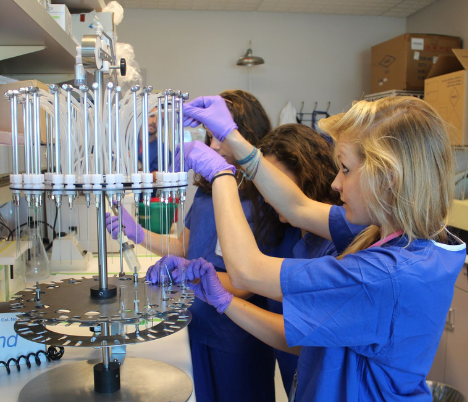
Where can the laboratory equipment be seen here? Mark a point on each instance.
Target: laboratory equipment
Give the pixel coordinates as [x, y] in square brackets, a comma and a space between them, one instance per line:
[93, 151]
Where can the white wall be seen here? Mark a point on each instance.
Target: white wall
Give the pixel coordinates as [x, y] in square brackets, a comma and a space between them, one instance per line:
[444, 17]
[307, 57]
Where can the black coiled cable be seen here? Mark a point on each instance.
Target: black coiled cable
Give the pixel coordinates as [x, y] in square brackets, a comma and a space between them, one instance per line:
[53, 353]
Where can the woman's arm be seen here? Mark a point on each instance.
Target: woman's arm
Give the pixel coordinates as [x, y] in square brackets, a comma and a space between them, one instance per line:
[264, 325]
[282, 193]
[226, 282]
[247, 267]
[176, 245]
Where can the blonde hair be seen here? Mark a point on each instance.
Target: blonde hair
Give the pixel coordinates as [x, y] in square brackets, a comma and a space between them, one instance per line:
[407, 166]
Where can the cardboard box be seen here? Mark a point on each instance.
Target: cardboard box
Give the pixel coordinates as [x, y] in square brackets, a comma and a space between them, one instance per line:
[404, 62]
[82, 24]
[5, 108]
[446, 89]
[60, 13]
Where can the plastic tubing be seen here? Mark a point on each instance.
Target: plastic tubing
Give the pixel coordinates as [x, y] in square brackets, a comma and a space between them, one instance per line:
[181, 134]
[166, 132]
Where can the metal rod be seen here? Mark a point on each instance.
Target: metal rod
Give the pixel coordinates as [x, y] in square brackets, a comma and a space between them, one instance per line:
[173, 127]
[166, 131]
[181, 134]
[49, 168]
[159, 136]
[68, 89]
[37, 132]
[98, 100]
[110, 87]
[96, 128]
[14, 130]
[84, 89]
[102, 245]
[55, 90]
[135, 89]
[27, 156]
[117, 129]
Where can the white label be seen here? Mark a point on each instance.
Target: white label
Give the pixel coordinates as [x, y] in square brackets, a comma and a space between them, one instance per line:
[13, 345]
[416, 56]
[218, 251]
[434, 59]
[417, 44]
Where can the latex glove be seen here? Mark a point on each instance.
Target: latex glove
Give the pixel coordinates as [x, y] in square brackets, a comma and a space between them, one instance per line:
[202, 159]
[213, 113]
[209, 289]
[173, 264]
[132, 230]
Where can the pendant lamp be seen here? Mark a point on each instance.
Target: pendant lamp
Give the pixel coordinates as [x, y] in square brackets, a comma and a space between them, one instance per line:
[248, 59]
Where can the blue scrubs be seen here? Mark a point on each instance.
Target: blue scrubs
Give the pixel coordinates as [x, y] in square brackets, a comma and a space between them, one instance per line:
[312, 247]
[152, 155]
[229, 364]
[371, 322]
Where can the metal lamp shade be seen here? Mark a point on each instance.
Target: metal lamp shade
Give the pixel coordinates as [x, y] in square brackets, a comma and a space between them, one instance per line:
[249, 60]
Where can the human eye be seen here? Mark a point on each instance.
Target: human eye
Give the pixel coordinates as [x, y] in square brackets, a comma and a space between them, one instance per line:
[344, 169]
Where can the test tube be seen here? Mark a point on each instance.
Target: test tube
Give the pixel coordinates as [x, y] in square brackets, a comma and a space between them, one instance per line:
[123, 299]
[163, 280]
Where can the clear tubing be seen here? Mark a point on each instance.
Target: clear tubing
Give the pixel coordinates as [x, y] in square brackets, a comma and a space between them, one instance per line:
[110, 87]
[181, 133]
[160, 140]
[135, 128]
[173, 128]
[117, 132]
[57, 129]
[27, 156]
[37, 133]
[96, 128]
[84, 89]
[166, 132]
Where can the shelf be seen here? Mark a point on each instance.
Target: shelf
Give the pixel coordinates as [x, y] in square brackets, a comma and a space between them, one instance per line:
[82, 6]
[26, 23]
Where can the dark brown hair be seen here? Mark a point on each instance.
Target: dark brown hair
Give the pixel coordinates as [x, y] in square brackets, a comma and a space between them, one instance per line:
[253, 123]
[307, 155]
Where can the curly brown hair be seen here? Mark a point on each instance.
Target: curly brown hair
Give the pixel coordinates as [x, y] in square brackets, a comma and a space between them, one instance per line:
[307, 155]
[252, 122]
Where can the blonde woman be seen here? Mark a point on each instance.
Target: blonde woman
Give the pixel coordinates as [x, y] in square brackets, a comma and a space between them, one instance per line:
[370, 319]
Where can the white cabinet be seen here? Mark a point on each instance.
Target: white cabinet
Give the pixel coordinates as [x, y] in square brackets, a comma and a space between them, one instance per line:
[451, 362]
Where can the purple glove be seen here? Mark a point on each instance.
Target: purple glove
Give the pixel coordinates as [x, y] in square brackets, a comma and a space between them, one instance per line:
[209, 289]
[132, 230]
[172, 262]
[202, 159]
[213, 113]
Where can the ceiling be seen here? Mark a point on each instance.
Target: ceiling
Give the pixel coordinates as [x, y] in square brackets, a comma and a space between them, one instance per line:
[387, 8]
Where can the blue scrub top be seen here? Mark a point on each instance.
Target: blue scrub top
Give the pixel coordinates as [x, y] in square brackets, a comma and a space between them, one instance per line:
[153, 155]
[370, 322]
[207, 326]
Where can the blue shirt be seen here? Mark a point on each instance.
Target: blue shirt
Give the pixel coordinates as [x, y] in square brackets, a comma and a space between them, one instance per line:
[207, 326]
[373, 319]
[153, 155]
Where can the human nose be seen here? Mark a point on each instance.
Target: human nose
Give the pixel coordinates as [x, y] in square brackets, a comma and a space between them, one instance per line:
[215, 144]
[337, 185]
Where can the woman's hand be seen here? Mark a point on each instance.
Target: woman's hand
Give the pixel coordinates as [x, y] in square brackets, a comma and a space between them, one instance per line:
[209, 289]
[213, 113]
[202, 159]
